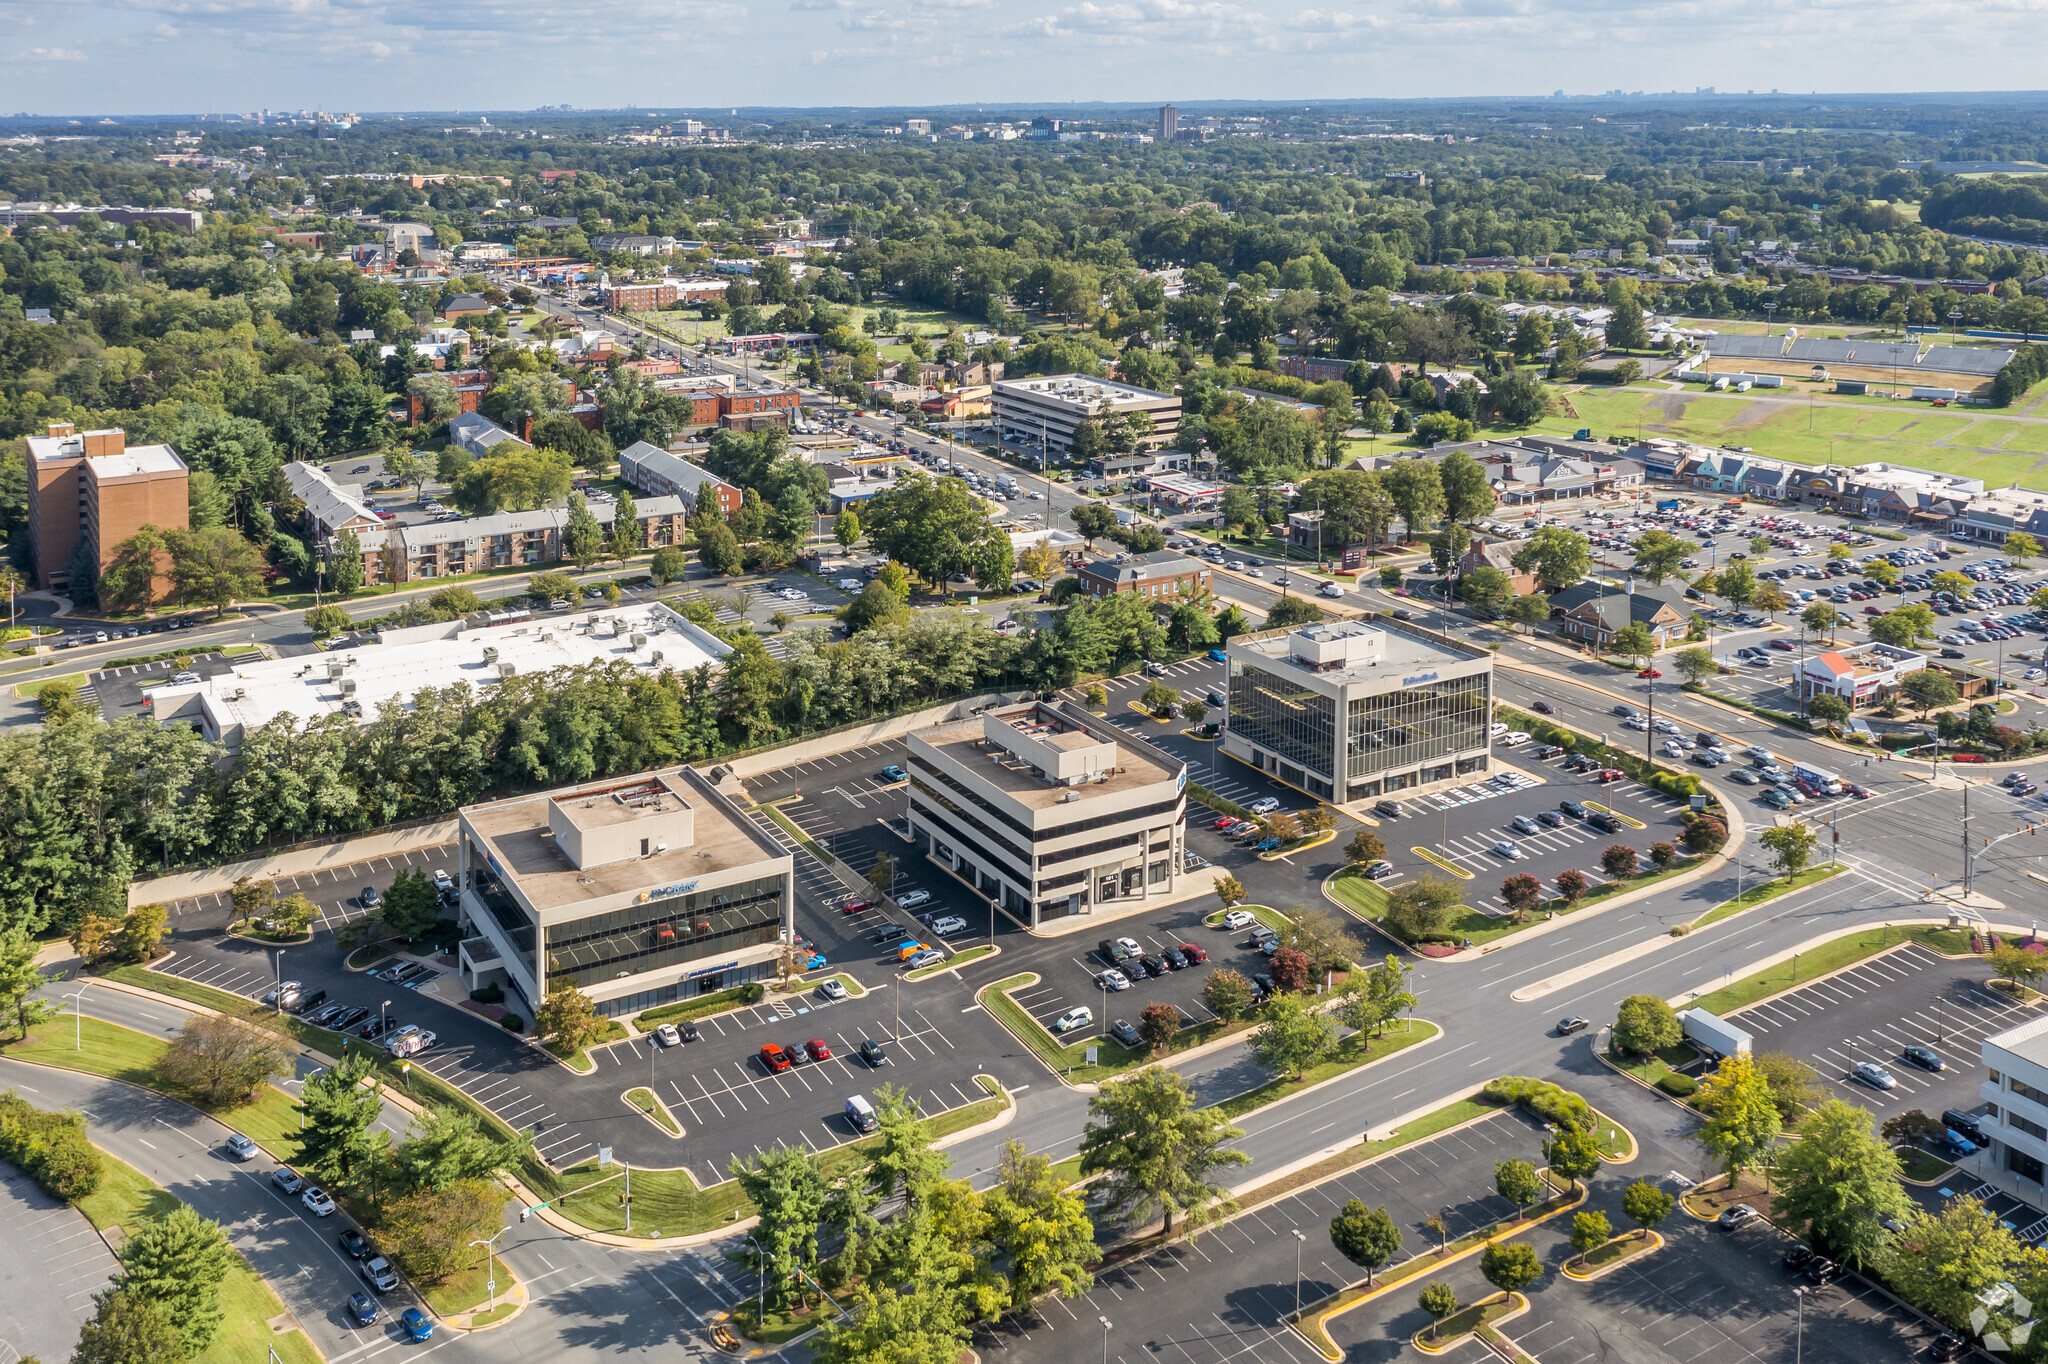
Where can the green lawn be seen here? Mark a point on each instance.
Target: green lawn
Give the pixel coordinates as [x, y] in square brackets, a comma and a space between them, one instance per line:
[128, 1200]
[1354, 1051]
[1768, 890]
[1654, 1068]
[1615, 1251]
[1265, 914]
[642, 1098]
[1922, 1166]
[1829, 956]
[789, 827]
[1466, 1320]
[1071, 1059]
[579, 1060]
[465, 1289]
[26, 690]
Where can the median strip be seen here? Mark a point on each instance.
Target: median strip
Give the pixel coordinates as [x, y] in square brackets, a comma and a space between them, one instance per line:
[1613, 813]
[1435, 861]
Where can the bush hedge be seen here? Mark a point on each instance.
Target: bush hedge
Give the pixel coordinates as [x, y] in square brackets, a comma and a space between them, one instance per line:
[50, 1148]
[1678, 1086]
[1543, 1100]
[1659, 779]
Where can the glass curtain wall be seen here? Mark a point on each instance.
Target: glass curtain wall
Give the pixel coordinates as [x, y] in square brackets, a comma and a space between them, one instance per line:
[1400, 729]
[1284, 716]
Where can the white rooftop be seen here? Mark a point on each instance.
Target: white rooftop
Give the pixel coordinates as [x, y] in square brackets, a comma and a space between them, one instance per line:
[136, 459]
[370, 676]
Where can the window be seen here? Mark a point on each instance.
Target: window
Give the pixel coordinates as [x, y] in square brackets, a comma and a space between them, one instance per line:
[2026, 1125]
[1294, 721]
[2026, 1091]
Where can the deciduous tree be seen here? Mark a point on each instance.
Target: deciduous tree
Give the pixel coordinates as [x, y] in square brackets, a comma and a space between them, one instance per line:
[1368, 1237]
[1791, 847]
[221, 1060]
[1158, 1151]
[568, 1019]
[1590, 1231]
[1517, 1182]
[1644, 1204]
[1510, 1266]
[1294, 1038]
[1838, 1180]
[1742, 1123]
[1645, 1025]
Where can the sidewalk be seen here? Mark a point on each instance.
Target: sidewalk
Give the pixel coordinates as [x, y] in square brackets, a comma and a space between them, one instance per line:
[295, 862]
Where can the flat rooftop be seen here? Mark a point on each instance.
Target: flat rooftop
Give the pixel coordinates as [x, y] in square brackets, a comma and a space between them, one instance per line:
[135, 460]
[1138, 764]
[2028, 1040]
[516, 832]
[1402, 651]
[256, 693]
[1068, 388]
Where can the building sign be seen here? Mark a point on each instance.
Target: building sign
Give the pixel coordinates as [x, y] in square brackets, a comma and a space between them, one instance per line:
[1418, 679]
[1352, 559]
[712, 970]
[664, 892]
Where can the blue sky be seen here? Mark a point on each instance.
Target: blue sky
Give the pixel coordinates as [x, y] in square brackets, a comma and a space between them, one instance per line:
[194, 56]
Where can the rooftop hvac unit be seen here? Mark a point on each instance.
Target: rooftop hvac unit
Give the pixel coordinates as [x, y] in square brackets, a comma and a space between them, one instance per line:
[506, 670]
[348, 686]
[639, 640]
[490, 653]
[335, 667]
[654, 657]
[546, 635]
[1070, 796]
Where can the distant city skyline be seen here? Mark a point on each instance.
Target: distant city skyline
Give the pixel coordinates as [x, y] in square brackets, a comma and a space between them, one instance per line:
[93, 57]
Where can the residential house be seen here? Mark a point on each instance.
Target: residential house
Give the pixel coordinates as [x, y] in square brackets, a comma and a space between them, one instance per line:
[1498, 554]
[331, 508]
[1445, 382]
[478, 434]
[1595, 612]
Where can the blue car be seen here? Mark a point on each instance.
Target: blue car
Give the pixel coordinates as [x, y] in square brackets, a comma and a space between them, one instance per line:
[362, 1309]
[893, 773]
[814, 962]
[1218, 656]
[417, 1326]
[1268, 844]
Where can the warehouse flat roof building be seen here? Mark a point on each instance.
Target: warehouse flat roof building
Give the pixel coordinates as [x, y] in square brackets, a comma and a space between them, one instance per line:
[637, 891]
[1355, 710]
[1058, 404]
[1050, 812]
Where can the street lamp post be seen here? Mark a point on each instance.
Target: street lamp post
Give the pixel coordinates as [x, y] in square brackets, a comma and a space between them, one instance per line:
[1105, 1339]
[760, 1283]
[380, 1017]
[491, 1269]
[78, 1013]
[1799, 1341]
[279, 1000]
[1299, 1241]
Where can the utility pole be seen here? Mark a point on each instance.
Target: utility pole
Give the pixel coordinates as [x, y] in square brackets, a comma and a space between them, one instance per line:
[1969, 862]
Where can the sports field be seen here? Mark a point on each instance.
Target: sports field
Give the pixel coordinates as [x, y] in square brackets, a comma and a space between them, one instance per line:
[1997, 448]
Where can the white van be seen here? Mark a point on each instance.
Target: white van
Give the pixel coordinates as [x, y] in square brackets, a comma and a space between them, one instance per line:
[860, 1113]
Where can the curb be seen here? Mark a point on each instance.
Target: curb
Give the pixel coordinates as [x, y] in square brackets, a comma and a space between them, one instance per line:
[677, 1135]
[1650, 1245]
[1441, 1346]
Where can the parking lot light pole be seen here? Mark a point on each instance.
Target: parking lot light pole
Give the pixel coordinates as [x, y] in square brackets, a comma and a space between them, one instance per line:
[1799, 1340]
[1105, 1339]
[78, 1014]
[279, 999]
[1299, 1241]
[491, 1270]
[380, 1017]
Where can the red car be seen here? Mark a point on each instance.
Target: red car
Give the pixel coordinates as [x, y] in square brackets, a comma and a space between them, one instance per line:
[1225, 822]
[1542, 708]
[774, 1058]
[1195, 954]
[856, 906]
[1873, 611]
[1966, 757]
[818, 1050]
[1650, 673]
[1611, 774]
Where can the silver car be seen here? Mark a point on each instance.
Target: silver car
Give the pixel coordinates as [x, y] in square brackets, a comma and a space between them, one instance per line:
[1874, 1075]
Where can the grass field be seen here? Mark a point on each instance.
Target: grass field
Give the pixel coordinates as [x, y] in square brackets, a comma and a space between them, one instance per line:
[1973, 443]
[1768, 890]
[129, 1201]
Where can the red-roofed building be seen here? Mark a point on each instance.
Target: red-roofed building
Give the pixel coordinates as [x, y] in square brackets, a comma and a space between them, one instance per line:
[1862, 676]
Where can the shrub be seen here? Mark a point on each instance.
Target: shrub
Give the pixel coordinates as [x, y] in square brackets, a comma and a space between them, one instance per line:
[1542, 1099]
[513, 1023]
[50, 1148]
[753, 992]
[488, 994]
[1678, 1086]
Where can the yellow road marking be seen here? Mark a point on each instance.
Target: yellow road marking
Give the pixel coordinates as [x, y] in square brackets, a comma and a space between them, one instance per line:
[1431, 858]
[1632, 822]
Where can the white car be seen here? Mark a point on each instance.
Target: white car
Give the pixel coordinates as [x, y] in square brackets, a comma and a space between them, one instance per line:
[1239, 918]
[1514, 739]
[1509, 849]
[1497, 728]
[1128, 947]
[1330, 590]
[667, 1035]
[951, 924]
[1073, 1018]
[1636, 722]
[240, 1147]
[1264, 805]
[183, 679]
[317, 1202]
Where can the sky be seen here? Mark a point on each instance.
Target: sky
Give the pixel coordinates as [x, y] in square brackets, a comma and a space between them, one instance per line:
[76, 57]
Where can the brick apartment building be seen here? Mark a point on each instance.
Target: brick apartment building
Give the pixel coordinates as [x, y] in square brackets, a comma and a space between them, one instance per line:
[442, 549]
[93, 486]
[470, 387]
[653, 470]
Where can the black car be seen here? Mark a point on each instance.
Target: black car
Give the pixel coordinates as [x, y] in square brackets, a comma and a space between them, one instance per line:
[301, 1003]
[1604, 822]
[690, 1033]
[1263, 983]
[357, 1245]
[1123, 1032]
[1572, 809]
[1947, 1346]
[1822, 1270]
[1149, 966]
[1175, 958]
[1924, 1058]
[1799, 1257]
[348, 1018]
[872, 1053]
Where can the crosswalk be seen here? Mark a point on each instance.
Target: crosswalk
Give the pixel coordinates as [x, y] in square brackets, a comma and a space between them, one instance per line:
[1504, 784]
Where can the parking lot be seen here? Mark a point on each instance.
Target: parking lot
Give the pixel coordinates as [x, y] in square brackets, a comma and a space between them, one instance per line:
[1070, 980]
[1872, 1012]
[718, 1087]
[1463, 826]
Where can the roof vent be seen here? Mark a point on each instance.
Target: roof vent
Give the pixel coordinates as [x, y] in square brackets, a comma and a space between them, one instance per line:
[506, 670]
[639, 640]
[490, 653]
[348, 686]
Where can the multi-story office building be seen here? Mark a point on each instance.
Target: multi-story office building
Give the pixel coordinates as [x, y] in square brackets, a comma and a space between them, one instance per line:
[1055, 407]
[1050, 812]
[92, 486]
[1353, 710]
[2016, 1086]
[1169, 123]
[636, 891]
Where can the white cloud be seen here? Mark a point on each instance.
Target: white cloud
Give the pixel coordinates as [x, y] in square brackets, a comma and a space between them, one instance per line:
[51, 54]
